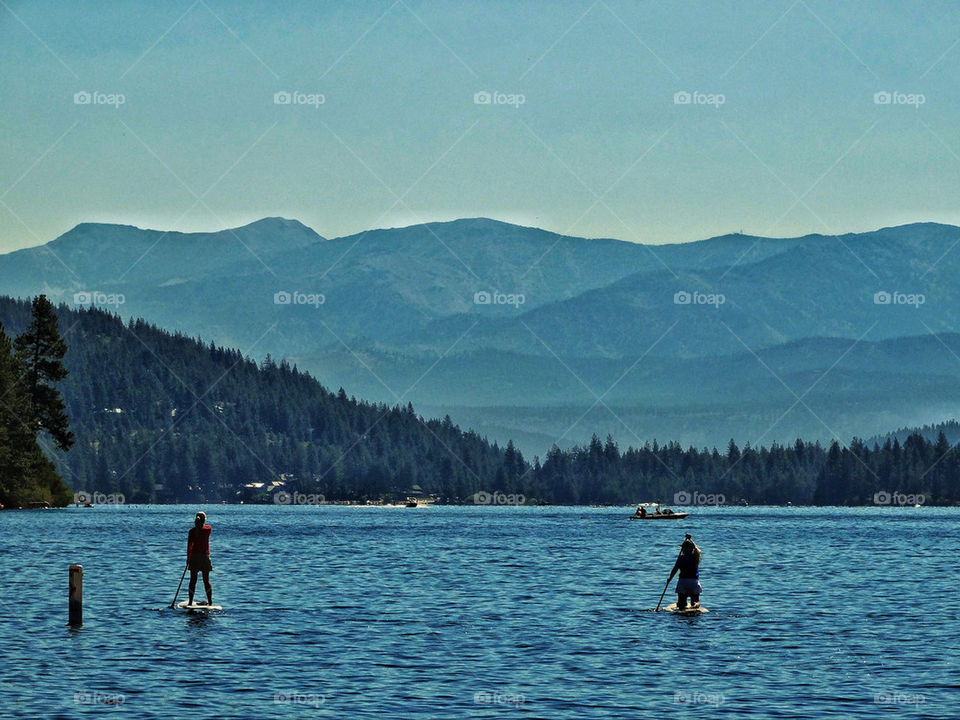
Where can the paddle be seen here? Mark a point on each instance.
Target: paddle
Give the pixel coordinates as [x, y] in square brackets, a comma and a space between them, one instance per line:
[180, 585]
[686, 537]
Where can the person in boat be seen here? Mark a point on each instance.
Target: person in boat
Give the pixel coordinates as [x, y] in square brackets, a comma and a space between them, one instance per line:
[688, 565]
[641, 512]
[198, 556]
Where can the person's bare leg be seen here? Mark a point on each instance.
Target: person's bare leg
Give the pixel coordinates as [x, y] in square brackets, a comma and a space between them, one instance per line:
[208, 587]
[681, 602]
[193, 585]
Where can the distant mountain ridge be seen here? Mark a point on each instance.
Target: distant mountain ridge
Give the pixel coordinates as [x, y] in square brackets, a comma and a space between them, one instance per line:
[503, 324]
[123, 255]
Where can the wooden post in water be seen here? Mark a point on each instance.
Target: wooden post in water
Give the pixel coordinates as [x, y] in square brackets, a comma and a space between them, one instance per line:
[76, 595]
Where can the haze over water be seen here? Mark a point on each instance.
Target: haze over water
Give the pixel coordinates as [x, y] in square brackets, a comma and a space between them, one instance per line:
[482, 612]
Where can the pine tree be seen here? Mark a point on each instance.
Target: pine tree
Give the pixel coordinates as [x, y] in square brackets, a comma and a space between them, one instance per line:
[26, 475]
[41, 349]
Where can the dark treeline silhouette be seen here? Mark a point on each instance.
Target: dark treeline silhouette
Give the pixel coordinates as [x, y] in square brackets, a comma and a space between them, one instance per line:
[161, 417]
[950, 429]
[916, 472]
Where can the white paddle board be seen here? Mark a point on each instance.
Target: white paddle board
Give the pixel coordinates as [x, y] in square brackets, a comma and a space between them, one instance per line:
[687, 610]
[185, 605]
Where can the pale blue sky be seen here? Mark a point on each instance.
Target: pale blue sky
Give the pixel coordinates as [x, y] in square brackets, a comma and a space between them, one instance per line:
[598, 147]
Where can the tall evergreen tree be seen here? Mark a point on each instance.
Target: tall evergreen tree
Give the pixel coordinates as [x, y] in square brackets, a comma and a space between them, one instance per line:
[26, 475]
[41, 349]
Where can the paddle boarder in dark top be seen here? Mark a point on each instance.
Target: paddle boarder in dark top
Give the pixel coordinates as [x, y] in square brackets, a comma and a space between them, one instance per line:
[198, 555]
[688, 565]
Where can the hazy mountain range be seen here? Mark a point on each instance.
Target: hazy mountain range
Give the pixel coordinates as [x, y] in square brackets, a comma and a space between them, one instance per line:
[525, 334]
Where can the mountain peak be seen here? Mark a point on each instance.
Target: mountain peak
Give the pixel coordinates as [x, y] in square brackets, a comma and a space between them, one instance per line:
[479, 223]
[277, 224]
[484, 224]
[87, 233]
[88, 227]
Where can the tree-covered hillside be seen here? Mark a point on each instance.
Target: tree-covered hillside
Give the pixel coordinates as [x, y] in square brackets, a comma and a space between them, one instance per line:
[949, 428]
[164, 418]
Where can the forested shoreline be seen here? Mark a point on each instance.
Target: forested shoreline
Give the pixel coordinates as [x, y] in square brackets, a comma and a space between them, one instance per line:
[916, 472]
[163, 418]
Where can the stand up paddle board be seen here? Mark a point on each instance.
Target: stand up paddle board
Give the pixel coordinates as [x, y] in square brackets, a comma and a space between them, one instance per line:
[195, 607]
[688, 611]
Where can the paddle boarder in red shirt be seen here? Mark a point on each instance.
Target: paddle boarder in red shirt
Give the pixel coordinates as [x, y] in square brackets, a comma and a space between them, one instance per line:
[198, 555]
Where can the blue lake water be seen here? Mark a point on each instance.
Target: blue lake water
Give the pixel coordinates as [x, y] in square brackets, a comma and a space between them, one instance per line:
[482, 612]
